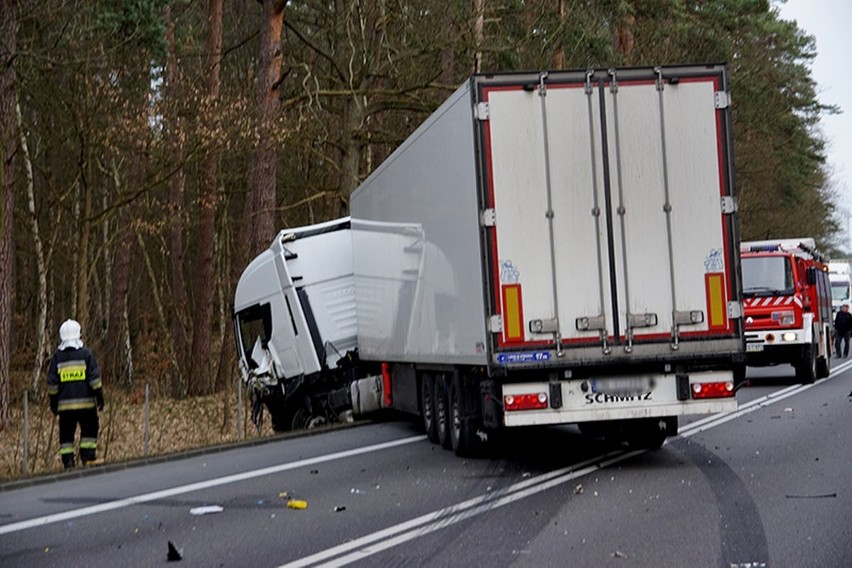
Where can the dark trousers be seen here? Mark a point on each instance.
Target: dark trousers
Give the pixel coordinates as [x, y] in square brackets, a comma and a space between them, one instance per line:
[87, 418]
[844, 338]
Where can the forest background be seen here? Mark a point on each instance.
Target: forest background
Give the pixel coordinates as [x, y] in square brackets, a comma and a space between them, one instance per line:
[150, 148]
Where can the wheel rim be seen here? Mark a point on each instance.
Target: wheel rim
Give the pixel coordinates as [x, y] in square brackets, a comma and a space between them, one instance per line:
[455, 415]
[441, 414]
[428, 418]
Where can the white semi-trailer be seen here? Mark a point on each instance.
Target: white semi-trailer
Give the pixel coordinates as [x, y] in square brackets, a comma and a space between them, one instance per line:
[547, 248]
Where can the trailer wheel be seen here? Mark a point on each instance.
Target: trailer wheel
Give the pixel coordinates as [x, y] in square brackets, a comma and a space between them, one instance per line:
[463, 429]
[806, 368]
[442, 411]
[427, 407]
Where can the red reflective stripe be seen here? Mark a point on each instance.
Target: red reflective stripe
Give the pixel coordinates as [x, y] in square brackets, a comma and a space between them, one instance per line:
[386, 384]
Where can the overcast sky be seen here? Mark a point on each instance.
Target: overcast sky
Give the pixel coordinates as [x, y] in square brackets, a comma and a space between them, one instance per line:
[830, 22]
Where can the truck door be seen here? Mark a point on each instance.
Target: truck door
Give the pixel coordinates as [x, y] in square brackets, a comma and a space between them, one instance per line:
[609, 209]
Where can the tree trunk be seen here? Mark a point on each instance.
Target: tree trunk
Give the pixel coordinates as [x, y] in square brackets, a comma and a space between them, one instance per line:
[259, 215]
[478, 33]
[8, 143]
[41, 293]
[200, 379]
[175, 137]
[559, 49]
[351, 145]
[115, 369]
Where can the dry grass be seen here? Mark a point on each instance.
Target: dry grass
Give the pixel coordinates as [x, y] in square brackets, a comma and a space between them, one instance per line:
[173, 426]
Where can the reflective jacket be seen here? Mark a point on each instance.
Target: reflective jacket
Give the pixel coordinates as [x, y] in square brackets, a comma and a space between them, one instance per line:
[73, 379]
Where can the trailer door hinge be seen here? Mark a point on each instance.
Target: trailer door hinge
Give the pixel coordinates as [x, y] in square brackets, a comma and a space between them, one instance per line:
[721, 99]
[482, 111]
[735, 310]
[495, 324]
[488, 217]
[729, 205]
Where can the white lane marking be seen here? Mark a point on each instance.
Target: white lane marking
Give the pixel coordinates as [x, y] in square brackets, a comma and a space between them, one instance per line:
[112, 505]
[762, 402]
[430, 522]
[376, 542]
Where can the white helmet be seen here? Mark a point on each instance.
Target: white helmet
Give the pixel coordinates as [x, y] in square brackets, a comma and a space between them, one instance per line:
[69, 330]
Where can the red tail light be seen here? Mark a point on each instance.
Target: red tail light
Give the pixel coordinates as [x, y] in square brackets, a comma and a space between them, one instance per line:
[530, 401]
[721, 389]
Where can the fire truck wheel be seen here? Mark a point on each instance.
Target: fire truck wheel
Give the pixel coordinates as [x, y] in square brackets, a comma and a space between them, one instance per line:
[824, 362]
[442, 411]
[806, 369]
[427, 406]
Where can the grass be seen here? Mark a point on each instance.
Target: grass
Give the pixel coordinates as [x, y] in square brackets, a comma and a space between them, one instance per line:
[172, 426]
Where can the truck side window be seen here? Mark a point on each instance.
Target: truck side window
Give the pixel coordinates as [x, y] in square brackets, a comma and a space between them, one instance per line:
[254, 322]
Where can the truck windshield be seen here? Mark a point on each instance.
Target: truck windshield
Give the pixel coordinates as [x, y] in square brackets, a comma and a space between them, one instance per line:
[253, 323]
[840, 290]
[767, 276]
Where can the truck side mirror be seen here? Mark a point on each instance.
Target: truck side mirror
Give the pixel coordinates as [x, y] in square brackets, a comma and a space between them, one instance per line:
[810, 275]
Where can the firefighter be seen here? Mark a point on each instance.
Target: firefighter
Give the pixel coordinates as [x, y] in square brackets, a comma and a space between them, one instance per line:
[842, 330]
[76, 394]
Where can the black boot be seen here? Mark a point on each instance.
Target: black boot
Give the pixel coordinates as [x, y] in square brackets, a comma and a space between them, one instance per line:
[68, 461]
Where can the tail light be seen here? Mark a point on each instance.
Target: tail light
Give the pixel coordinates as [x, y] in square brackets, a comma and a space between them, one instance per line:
[721, 389]
[527, 401]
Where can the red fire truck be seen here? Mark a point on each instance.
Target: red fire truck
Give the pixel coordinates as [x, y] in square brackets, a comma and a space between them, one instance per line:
[787, 305]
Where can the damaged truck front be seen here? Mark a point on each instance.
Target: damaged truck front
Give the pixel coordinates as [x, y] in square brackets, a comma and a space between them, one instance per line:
[547, 248]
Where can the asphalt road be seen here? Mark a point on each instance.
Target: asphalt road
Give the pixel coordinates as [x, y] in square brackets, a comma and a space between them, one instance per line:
[766, 486]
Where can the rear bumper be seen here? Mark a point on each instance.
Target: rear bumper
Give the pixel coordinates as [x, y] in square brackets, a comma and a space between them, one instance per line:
[581, 403]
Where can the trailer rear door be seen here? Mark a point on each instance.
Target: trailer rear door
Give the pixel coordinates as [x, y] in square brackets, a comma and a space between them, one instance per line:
[609, 211]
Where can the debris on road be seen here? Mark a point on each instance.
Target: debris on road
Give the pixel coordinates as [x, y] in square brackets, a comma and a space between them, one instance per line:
[174, 554]
[818, 496]
[297, 504]
[206, 510]
[339, 508]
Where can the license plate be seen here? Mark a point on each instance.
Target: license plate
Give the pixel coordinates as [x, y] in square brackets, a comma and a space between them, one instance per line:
[754, 347]
[623, 385]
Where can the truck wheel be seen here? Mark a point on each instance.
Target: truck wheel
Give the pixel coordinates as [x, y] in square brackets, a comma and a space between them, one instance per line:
[442, 411]
[427, 407]
[739, 374]
[824, 362]
[463, 429]
[806, 369]
[279, 420]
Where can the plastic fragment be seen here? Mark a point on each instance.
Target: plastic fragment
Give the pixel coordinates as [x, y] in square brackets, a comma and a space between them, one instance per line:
[297, 504]
[355, 491]
[339, 508]
[282, 494]
[174, 554]
[206, 510]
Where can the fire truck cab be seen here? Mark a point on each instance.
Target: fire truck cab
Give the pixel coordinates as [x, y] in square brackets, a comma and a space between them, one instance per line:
[787, 306]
